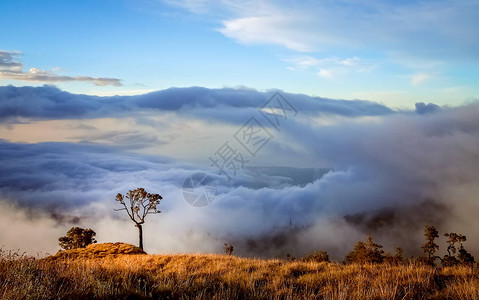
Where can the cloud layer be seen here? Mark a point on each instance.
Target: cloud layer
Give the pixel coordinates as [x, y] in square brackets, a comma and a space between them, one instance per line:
[390, 173]
[228, 105]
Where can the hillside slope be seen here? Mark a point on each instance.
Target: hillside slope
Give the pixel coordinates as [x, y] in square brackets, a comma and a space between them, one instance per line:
[210, 276]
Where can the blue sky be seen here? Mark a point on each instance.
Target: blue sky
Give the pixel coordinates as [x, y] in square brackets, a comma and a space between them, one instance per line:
[394, 52]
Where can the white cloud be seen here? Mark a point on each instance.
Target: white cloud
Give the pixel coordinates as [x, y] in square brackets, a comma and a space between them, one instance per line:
[255, 22]
[350, 62]
[278, 30]
[303, 62]
[395, 36]
[419, 78]
[11, 68]
[331, 67]
[325, 73]
[9, 61]
[429, 30]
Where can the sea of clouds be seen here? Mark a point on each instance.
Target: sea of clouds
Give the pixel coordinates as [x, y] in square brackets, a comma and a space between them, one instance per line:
[382, 171]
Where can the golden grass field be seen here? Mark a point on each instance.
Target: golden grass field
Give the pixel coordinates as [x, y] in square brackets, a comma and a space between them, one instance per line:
[104, 271]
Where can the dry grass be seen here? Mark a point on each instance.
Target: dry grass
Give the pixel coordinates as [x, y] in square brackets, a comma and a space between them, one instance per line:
[136, 276]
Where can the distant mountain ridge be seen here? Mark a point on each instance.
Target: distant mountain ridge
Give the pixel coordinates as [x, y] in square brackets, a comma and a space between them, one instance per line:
[285, 176]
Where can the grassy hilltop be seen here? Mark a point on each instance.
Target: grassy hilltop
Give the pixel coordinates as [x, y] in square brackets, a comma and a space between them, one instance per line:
[117, 271]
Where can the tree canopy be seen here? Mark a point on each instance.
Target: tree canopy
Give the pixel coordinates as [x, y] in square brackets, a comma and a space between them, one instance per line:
[77, 237]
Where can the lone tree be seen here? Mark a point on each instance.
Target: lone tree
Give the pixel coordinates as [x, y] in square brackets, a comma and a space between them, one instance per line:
[430, 247]
[138, 204]
[77, 237]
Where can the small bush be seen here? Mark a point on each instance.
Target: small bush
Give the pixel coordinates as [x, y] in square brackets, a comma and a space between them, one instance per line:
[366, 252]
[228, 248]
[317, 256]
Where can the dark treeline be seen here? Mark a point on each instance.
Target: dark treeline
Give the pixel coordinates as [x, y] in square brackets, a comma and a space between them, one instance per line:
[369, 251]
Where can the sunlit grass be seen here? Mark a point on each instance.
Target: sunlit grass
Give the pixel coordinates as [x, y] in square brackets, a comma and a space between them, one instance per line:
[211, 276]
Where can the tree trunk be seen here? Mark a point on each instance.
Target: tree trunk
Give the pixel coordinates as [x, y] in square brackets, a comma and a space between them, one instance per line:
[140, 232]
